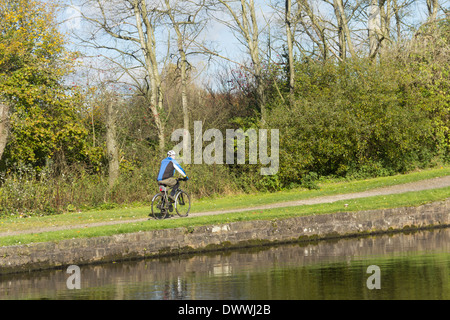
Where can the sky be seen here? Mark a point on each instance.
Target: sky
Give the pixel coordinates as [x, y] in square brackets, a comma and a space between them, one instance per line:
[216, 33]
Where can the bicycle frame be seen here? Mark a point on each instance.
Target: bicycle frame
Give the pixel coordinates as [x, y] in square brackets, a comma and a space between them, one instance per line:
[164, 191]
[163, 188]
[166, 206]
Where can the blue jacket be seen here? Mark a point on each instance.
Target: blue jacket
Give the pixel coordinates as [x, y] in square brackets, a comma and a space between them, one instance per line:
[168, 167]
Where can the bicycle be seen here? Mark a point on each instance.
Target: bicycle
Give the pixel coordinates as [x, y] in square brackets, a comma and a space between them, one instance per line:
[161, 205]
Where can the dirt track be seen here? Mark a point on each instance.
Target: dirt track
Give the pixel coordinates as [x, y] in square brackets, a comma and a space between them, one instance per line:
[413, 186]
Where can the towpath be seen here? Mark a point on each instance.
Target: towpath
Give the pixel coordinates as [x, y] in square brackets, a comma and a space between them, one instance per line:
[434, 183]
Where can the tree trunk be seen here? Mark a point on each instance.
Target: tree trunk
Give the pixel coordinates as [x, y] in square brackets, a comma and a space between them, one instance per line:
[341, 34]
[184, 103]
[184, 81]
[288, 22]
[398, 21]
[115, 21]
[4, 126]
[385, 15]
[374, 26]
[433, 6]
[253, 42]
[317, 26]
[247, 26]
[148, 47]
[112, 146]
[339, 4]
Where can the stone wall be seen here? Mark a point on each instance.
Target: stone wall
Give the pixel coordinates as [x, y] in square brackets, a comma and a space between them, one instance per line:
[218, 237]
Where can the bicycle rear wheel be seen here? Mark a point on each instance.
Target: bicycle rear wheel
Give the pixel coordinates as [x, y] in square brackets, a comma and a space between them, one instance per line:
[158, 207]
[182, 203]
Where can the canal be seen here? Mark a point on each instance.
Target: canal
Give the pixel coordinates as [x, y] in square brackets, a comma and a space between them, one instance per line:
[394, 266]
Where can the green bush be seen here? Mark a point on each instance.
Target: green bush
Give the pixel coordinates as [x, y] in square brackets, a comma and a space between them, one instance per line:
[351, 119]
[309, 181]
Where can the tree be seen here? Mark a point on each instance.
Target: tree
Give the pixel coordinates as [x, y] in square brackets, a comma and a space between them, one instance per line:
[182, 16]
[290, 47]
[314, 27]
[331, 35]
[433, 7]
[131, 27]
[25, 46]
[112, 146]
[38, 112]
[374, 26]
[244, 21]
[345, 39]
[4, 123]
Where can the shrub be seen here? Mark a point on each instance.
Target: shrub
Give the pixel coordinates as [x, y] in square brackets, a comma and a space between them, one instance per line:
[349, 119]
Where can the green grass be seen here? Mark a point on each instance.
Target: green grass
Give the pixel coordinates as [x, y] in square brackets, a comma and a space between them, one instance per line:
[326, 189]
[378, 202]
[227, 203]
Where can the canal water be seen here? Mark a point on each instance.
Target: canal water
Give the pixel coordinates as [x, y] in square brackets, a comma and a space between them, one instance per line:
[396, 266]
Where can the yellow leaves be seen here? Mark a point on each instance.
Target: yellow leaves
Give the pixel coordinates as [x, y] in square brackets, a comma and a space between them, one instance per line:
[31, 48]
[28, 25]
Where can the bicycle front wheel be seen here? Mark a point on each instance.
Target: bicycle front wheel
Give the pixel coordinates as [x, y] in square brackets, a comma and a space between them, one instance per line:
[182, 203]
[158, 207]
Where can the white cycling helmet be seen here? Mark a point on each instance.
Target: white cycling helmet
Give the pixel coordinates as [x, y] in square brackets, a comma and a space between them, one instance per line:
[171, 153]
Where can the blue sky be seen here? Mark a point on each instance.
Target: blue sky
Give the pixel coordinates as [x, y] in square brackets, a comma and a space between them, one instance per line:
[218, 34]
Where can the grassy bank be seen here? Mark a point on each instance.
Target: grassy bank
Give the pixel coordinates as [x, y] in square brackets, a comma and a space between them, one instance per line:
[327, 188]
[227, 203]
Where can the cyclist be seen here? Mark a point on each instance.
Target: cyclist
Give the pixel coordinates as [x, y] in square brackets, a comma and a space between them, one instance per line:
[167, 171]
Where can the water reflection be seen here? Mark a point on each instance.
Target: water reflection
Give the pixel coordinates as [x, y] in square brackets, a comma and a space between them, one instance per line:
[413, 266]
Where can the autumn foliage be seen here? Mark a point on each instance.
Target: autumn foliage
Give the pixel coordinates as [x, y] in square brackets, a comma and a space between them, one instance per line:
[44, 121]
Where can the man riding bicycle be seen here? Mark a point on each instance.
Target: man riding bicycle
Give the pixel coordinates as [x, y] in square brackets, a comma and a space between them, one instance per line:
[167, 171]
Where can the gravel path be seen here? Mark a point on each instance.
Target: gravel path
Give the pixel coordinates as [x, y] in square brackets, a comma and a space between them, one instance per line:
[407, 187]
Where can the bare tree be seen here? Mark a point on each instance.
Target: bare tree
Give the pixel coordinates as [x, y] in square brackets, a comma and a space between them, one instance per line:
[314, 26]
[343, 27]
[374, 26]
[183, 19]
[331, 35]
[127, 28]
[354, 25]
[290, 47]
[146, 30]
[244, 22]
[433, 7]
[287, 17]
